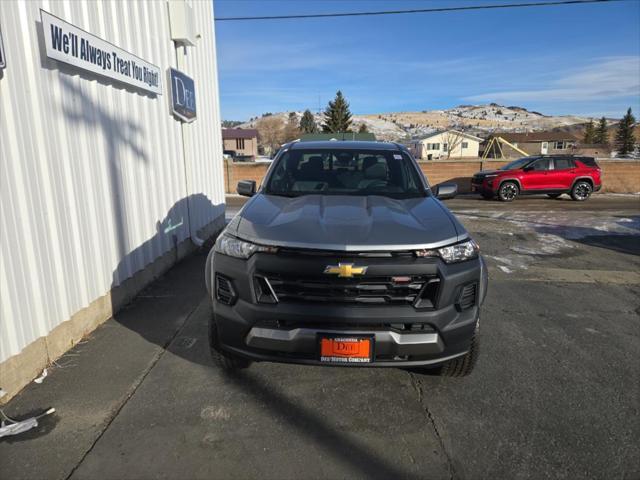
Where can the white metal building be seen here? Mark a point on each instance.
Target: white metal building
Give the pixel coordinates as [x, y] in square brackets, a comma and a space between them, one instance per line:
[100, 181]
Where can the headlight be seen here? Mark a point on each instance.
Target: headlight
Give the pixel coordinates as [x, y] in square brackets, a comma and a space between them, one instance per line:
[493, 175]
[234, 247]
[453, 253]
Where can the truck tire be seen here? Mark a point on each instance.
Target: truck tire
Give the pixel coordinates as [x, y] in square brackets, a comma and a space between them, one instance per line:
[508, 191]
[462, 366]
[581, 191]
[225, 360]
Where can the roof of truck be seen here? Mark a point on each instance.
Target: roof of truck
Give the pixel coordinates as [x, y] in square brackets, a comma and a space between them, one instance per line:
[345, 145]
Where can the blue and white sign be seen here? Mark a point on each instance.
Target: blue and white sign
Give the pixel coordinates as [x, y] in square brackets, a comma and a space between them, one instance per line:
[69, 44]
[183, 95]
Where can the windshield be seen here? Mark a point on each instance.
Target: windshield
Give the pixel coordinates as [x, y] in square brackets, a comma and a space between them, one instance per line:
[516, 164]
[345, 172]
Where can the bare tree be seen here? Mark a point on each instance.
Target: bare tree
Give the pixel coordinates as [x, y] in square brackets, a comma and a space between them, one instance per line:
[271, 133]
[291, 129]
[452, 139]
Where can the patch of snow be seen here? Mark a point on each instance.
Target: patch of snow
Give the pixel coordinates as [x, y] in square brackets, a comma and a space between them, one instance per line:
[474, 119]
[512, 261]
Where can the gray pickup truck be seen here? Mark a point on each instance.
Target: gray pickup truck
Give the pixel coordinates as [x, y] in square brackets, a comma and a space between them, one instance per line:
[346, 256]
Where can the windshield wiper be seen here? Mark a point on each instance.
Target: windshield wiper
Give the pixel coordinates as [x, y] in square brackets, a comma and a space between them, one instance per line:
[287, 194]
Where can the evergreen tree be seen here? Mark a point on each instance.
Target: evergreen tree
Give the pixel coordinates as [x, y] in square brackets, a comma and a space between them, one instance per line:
[337, 117]
[602, 134]
[308, 123]
[589, 133]
[363, 128]
[625, 140]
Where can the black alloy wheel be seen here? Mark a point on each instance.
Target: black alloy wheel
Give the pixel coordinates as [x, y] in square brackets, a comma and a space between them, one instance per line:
[508, 191]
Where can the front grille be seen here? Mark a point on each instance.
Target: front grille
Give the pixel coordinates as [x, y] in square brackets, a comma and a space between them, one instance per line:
[341, 254]
[477, 179]
[399, 327]
[420, 290]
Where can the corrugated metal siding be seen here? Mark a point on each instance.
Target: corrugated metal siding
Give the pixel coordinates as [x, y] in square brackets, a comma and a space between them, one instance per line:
[204, 144]
[92, 173]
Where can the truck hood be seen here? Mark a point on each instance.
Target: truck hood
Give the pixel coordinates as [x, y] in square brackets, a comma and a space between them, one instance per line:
[484, 173]
[347, 223]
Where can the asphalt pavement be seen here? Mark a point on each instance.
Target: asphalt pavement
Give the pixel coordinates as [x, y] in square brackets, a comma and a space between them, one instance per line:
[555, 393]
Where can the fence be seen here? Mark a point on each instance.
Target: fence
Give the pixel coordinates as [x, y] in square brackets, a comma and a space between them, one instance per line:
[619, 176]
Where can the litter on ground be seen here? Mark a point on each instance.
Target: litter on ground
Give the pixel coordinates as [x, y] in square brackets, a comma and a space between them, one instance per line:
[9, 426]
[41, 378]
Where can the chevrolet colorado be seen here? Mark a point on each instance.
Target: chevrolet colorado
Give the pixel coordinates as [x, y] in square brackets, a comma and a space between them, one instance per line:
[346, 256]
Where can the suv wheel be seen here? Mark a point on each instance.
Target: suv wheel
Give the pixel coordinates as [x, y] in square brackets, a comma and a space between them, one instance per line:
[508, 191]
[581, 191]
[554, 195]
[462, 366]
[226, 361]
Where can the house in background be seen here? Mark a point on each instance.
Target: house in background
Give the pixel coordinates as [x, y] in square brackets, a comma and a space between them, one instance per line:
[598, 150]
[537, 143]
[450, 144]
[241, 144]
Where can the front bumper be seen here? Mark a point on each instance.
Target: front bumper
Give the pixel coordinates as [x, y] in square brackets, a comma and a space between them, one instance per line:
[404, 335]
[484, 185]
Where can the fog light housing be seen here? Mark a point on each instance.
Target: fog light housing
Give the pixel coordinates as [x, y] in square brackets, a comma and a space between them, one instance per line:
[225, 293]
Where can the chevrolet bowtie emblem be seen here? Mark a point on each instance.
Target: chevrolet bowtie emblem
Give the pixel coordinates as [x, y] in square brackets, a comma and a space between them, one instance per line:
[345, 270]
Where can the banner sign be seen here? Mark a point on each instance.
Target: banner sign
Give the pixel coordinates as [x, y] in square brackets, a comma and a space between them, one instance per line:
[183, 95]
[3, 60]
[69, 44]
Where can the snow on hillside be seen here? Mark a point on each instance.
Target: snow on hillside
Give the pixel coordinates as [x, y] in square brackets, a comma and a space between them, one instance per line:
[477, 119]
[382, 129]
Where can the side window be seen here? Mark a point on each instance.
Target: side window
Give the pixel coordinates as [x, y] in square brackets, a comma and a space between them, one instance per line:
[541, 165]
[563, 163]
[589, 161]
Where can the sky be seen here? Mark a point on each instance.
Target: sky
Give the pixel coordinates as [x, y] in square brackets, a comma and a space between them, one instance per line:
[582, 60]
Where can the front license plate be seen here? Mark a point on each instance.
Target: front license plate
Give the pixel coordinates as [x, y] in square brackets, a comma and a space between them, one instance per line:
[345, 348]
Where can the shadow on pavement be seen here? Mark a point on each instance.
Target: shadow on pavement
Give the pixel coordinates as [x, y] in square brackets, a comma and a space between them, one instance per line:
[316, 428]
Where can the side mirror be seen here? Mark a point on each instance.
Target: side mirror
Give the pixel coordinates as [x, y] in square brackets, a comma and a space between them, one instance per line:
[246, 188]
[528, 168]
[446, 190]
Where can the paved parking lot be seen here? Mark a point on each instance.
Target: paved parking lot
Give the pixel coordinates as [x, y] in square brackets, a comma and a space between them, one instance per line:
[556, 392]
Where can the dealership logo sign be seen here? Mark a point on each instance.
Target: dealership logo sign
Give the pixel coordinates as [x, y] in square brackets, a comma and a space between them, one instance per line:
[69, 44]
[183, 95]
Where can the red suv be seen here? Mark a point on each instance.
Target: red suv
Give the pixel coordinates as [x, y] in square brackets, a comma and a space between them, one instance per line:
[553, 175]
